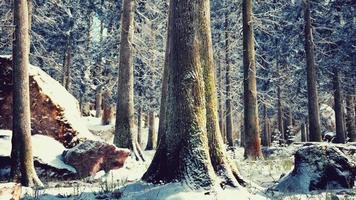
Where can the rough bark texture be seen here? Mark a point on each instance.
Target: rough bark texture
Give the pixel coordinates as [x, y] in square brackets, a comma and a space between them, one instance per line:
[350, 117]
[265, 134]
[21, 142]
[183, 153]
[313, 104]
[124, 129]
[252, 139]
[339, 113]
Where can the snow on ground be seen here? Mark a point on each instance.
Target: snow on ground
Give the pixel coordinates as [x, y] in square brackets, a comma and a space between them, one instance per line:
[46, 149]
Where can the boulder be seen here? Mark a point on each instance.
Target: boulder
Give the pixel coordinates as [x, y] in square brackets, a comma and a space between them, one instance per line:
[10, 191]
[319, 167]
[92, 156]
[54, 111]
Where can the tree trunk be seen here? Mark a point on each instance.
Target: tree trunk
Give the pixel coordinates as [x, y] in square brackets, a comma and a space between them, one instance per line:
[21, 142]
[124, 128]
[66, 65]
[313, 105]
[139, 126]
[265, 136]
[351, 120]
[107, 113]
[339, 114]
[98, 101]
[280, 114]
[229, 122]
[303, 133]
[152, 136]
[252, 138]
[183, 154]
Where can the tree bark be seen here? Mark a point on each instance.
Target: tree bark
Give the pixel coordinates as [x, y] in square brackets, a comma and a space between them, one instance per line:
[139, 126]
[229, 122]
[265, 135]
[339, 114]
[351, 120]
[303, 133]
[280, 114]
[252, 139]
[313, 104]
[152, 136]
[21, 142]
[124, 129]
[98, 101]
[183, 154]
[107, 111]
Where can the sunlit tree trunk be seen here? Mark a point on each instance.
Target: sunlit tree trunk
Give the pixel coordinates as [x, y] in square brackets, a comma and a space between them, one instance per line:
[125, 136]
[21, 154]
[252, 138]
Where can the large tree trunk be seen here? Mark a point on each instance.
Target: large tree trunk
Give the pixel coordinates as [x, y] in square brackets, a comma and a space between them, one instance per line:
[124, 128]
[152, 136]
[339, 114]
[21, 142]
[229, 122]
[350, 117]
[313, 105]
[252, 139]
[303, 132]
[183, 150]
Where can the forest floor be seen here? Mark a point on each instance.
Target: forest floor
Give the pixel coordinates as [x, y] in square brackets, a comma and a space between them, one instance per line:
[125, 183]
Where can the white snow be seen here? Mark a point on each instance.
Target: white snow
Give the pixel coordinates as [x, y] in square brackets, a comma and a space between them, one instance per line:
[45, 149]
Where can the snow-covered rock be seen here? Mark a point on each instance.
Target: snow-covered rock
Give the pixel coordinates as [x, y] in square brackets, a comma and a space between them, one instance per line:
[54, 111]
[47, 153]
[319, 167]
[92, 156]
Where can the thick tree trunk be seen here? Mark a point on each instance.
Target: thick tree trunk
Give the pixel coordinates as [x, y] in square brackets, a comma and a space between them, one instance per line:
[339, 114]
[252, 143]
[124, 129]
[229, 122]
[21, 142]
[107, 108]
[313, 104]
[183, 151]
[152, 135]
[350, 117]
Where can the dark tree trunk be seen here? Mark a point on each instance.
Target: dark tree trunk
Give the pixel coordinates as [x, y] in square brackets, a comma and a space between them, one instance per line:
[313, 104]
[252, 138]
[229, 122]
[21, 154]
[152, 135]
[280, 114]
[339, 114]
[124, 129]
[98, 101]
[265, 133]
[350, 117]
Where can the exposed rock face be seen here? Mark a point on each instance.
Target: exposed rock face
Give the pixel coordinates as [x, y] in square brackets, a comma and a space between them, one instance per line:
[54, 111]
[91, 156]
[319, 167]
[11, 191]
